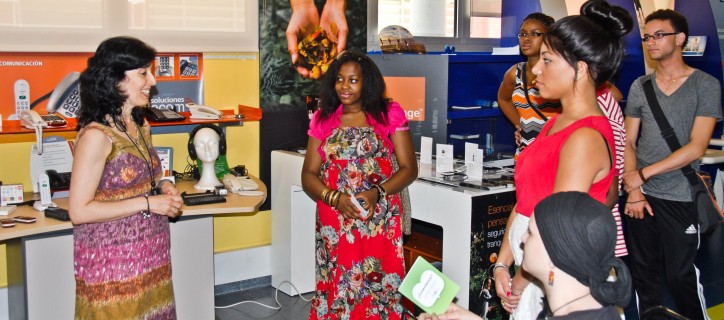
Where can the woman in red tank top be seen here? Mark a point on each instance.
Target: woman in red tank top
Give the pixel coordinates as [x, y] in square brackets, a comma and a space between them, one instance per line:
[574, 149]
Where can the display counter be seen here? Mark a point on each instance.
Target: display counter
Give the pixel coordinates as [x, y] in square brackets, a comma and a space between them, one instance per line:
[41, 283]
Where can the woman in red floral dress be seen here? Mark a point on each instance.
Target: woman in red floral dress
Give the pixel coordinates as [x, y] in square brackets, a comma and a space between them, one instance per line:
[353, 138]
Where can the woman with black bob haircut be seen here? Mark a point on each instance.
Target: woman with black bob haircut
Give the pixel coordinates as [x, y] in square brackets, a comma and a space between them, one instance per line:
[119, 207]
[106, 69]
[374, 101]
[594, 37]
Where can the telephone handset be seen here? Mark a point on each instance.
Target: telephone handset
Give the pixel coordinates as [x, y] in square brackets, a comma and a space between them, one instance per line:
[203, 112]
[65, 98]
[31, 119]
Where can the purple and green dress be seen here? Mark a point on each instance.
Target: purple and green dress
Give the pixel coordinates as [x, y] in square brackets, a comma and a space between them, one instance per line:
[123, 267]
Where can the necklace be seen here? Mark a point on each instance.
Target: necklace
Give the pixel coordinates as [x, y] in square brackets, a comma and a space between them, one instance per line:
[669, 83]
[569, 302]
[148, 162]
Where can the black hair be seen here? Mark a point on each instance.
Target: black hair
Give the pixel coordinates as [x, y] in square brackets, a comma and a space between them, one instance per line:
[374, 101]
[677, 20]
[579, 235]
[100, 94]
[594, 37]
[543, 18]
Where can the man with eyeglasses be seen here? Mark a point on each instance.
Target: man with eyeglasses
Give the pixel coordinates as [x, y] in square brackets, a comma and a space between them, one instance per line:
[662, 224]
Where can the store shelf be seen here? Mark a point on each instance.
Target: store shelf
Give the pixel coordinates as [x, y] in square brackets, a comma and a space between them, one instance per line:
[229, 118]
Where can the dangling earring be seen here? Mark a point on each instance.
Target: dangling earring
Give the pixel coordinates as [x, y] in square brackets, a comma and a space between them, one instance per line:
[551, 274]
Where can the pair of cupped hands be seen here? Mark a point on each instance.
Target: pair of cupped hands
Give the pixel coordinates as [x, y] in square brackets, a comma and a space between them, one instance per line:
[305, 19]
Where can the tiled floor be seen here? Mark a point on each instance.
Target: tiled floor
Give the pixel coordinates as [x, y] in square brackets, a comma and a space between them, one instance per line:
[292, 308]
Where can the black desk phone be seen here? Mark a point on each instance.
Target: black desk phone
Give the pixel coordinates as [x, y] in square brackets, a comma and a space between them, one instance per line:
[161, 115]
[58, 180]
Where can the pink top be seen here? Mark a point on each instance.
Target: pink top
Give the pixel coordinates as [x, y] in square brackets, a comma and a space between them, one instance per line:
[537, 166]
[396, 120]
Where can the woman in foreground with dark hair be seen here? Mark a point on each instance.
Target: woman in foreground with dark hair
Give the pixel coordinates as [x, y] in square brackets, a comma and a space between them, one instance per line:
[352, 138]
[118, 206]
[570, 249]
[575, 150]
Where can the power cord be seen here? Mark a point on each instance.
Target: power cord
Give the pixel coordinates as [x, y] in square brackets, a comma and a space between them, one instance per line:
[276, 298]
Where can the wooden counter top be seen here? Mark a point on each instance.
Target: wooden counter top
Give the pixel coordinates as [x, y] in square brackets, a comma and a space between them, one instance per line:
[234, 204]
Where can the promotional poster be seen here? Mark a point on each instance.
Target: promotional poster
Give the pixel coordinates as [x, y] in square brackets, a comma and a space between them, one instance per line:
[28, 80]
[490, 215]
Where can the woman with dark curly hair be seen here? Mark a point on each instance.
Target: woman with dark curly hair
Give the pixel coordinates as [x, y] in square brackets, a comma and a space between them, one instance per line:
[118, 206]
[575, 150]
[352, 139]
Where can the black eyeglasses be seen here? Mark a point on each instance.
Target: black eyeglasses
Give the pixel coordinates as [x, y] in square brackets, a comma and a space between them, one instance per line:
[530, 35]
[657, 35]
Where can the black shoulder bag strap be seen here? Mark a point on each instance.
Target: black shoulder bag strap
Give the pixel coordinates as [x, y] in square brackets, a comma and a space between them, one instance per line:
[525, 88]
[666, 130]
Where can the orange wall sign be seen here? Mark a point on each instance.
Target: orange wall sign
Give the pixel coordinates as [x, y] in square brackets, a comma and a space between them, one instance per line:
[179, 75]
[42, 71]
[410, 93]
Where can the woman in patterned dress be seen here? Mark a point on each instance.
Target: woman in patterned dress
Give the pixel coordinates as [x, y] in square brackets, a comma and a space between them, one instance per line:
[518, 85]
[121, 233]
[352, 139]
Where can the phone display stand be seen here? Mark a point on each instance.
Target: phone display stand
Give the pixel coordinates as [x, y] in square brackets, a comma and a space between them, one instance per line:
[39, 206]
[45, 198]
[58, 156]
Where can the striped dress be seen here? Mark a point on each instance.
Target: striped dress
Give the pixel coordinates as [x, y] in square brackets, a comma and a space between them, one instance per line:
[530, 122]
[123, 267]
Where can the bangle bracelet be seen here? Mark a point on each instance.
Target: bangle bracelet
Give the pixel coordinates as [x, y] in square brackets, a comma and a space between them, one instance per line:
[147, 213]
[335, 199]
[381, 192]
[500, 265]
[641, 174]
[324, 194]
[491, 269]
[330, 197]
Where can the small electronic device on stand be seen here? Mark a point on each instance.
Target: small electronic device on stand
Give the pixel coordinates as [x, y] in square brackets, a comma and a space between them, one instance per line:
[45, 197]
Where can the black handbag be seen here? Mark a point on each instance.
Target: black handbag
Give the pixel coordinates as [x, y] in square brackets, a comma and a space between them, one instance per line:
[710, 215]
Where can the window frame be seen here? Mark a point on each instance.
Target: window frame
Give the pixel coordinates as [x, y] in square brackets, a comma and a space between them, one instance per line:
[115, 23]
[461, 41]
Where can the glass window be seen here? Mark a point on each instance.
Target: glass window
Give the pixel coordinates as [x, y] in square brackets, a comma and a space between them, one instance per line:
[187, 15]
[469, 25]
[86, 14]
[485, 18]
[424, 18]
[168, 25]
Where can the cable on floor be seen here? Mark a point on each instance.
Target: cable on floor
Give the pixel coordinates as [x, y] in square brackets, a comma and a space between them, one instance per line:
[276, 298]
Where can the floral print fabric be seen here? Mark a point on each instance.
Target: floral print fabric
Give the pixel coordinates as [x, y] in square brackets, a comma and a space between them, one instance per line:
[359, 262]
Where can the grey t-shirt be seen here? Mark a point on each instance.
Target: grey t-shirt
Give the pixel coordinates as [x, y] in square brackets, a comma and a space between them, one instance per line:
[699, 95]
